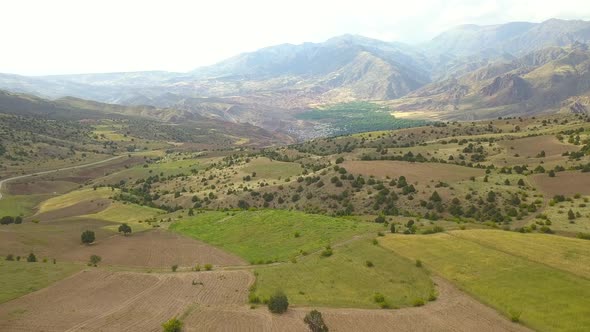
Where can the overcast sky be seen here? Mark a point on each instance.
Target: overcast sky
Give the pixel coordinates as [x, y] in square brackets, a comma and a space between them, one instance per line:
[77, 36]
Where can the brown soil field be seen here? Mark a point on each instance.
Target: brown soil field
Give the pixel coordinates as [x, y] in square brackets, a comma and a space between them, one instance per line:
[49, 240]
[153, 248]
[97, 300]
[564, 183]
[78, 209]
[32, 186]
[421, 172]
[531, 146]
[452, 311]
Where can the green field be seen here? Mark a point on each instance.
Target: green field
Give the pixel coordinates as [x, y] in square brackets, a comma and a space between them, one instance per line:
[270, 169]
[356, 117]
[131, 214]
[16, 205]
[545, 295]
[270, 235]
[20, 278]
[345, 280]
[75, 197]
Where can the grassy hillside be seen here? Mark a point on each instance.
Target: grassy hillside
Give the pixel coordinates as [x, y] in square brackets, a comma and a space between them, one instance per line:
[345, 280]
[270, 235]
[20, 278]
[540, 292]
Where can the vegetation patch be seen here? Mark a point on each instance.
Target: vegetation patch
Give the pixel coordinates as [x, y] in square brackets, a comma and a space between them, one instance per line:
[267, 235]
[344, 279]
[21, 277]
[550, 298]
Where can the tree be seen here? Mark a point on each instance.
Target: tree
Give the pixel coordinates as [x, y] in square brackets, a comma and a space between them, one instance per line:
[173, 325]
[18, 220]
[278, 303]
[94, 260]
[31, 258]
[571, 215]
[7, 220]
[392, 228]
[125, 229]
[551, 173]
[315, 321]
[435, 197]
[87, 237]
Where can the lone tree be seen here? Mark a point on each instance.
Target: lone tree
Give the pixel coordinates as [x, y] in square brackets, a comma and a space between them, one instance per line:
[315, 321]
[173, 325]
[278, 303]
[31, 258]
[571, 215]
[125, 229]
[87, 237]
[94, 260]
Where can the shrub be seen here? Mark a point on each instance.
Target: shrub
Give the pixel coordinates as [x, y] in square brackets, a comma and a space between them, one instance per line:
[418, 263]
[515, 315]
[125, 229]
[31, 258]
[87, 237]
[369, 264]
[10, 257]
[208, 267]
[378, 298]
[173, 325]
[174, 267]
[94, 260]
[253, 298]
[315, 321]
[327, 252]
[278, 303]
[418, 302]
[584, 236]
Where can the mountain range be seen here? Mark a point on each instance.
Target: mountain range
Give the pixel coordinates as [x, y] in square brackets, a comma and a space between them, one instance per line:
[469, 72]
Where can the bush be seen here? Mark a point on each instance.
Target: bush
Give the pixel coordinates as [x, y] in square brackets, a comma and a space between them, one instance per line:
[125, 229]
[87, 237]
[278, 303]
[10, 257]
[173, 325]
[315, 321]
[327, 252]
[174, 268]
[584, 236]
[418, 263]
[369, 264]
[418, 303]
[31, 258]
[378, 298]
[208, 267]
[515, 315]
[94, 260]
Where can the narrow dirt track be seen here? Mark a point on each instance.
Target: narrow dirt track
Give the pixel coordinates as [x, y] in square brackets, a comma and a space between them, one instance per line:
[55, 170]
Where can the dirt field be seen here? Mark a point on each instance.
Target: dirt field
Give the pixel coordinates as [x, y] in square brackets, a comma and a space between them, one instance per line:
[98, 300]
[78, 209]
[452, 311]
[564, 183]
[421, 172]
[531, 146]
[155, 248]
[32, 186]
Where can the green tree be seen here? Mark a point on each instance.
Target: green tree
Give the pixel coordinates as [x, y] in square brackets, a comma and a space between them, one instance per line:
[87, 237]
[392, 228]
[435, 197]
[125, 229]
[94, 260]
[315, 321]
[173, 325]
[571, 215]
[278, 303]
[31, 258]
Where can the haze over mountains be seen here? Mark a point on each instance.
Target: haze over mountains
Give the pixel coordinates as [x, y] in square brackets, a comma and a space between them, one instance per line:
[470, 72]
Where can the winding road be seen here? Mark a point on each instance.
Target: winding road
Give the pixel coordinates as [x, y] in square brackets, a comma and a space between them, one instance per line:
[55, 170]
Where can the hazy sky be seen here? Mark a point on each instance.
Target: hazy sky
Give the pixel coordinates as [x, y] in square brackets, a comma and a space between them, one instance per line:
[80, 36]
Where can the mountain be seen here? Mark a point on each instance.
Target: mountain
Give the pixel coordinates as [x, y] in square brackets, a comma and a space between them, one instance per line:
[467, 72]
[537, 82]
[517, 38]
